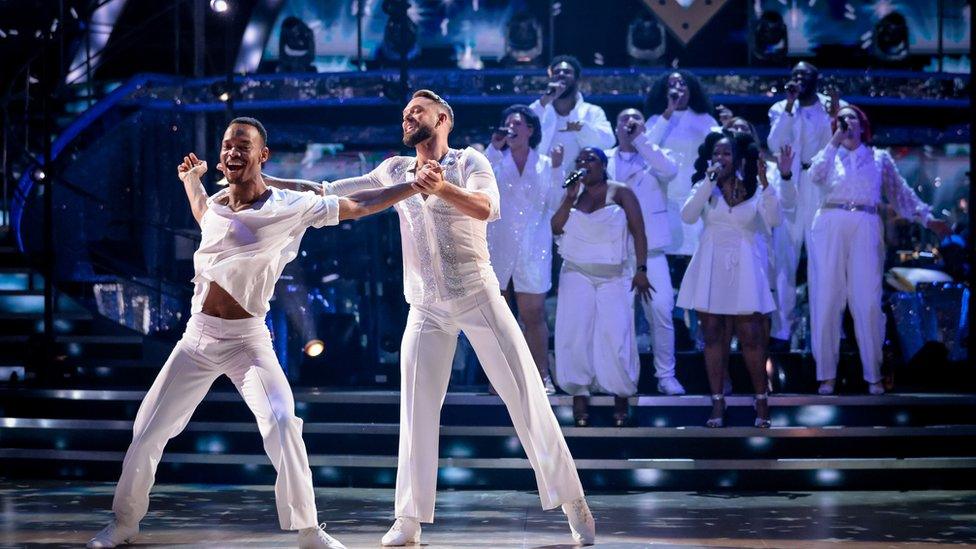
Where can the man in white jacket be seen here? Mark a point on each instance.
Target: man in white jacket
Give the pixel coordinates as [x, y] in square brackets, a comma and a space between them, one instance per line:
[801, 121]
[567, 120]
[647, 169]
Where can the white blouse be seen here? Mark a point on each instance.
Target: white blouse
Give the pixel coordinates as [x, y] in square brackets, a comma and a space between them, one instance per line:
[595, 131]
[861, 176]
[445, 252]
[244, 252]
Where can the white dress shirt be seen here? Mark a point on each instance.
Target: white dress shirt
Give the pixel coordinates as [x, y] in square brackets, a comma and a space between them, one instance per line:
[596, 130]
[861, 176]
[245, 251]
[445, 252]
[681, 134]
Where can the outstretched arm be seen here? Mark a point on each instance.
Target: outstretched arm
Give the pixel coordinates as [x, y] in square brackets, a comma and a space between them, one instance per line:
[190, 171]
[370, 201]
[300, 185]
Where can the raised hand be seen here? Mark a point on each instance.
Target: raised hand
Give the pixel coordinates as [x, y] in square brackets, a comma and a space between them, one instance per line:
[833, 104]
[784, 160]
[556, 154]
[761, 167]
[191, 168]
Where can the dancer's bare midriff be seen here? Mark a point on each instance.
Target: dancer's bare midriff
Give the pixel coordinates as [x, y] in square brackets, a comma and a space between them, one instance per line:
[221, 304]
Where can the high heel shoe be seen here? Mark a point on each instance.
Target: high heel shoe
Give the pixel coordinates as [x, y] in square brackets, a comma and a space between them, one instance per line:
[761, 422]
[719, 421]
[581, 405]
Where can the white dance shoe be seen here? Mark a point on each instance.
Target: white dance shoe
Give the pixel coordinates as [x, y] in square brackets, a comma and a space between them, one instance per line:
[316, 538]
[405, 531]
[670, 386]
[113, 535]
[876, 388]
[580, 521]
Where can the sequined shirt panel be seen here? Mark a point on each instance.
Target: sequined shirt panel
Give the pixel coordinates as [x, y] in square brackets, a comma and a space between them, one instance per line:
[445, 252]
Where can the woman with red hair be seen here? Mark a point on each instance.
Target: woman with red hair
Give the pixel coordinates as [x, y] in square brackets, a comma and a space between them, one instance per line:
[847, 251]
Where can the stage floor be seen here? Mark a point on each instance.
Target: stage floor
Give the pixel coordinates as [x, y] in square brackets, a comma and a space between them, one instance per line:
[68, 513]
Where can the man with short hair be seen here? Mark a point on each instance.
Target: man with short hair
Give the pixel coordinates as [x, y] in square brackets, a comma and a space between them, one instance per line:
[451, 287]
[569, 122]
[647, 169]
[249, 232]
[801, 121]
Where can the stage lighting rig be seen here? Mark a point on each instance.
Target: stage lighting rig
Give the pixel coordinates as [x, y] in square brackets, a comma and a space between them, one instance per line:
[314, 347]
[523, 39]
[296, 46]
[769, 39]
[646, 40]
[890, 35]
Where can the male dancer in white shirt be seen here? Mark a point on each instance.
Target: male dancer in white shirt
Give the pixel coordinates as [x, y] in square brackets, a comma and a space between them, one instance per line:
[451, 287]
[567, 120]
[249, 232]
[801, 121]
[647, 169]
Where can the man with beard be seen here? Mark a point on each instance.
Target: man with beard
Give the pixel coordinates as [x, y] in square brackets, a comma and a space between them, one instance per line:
[451, 287]
[567, 120]
[249, 232]
[802, 122]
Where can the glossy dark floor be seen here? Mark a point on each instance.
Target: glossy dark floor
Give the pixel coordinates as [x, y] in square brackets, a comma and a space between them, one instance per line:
[67, 513]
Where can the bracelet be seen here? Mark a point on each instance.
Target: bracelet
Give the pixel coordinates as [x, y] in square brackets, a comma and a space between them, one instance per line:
[642, 268]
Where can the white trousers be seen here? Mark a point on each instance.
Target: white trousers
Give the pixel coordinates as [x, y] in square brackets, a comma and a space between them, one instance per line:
[240, 349]
[596, 348]
[659, 312]
[845, 268]
[785, 260]
[426, 352]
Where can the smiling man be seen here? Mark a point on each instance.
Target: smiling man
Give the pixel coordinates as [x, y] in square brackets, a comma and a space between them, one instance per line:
[249, 232]
[451, 287]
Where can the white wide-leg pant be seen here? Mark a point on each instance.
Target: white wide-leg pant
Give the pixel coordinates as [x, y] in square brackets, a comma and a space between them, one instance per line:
[242, 350]
[595, 343]
[429, 341]
[659, 312]
[786, 259]
[845, 268]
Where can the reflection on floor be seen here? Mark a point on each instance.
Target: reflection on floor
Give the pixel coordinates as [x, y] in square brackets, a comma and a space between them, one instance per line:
[67, 513]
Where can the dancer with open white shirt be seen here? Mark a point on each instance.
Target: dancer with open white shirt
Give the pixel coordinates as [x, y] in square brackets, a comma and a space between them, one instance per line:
[450, 286]
[846, 247]
[249, 232]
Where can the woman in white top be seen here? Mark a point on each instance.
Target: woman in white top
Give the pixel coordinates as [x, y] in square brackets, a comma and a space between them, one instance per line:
[726, 281]
[846, 247]
[520, 241]
[597, 229]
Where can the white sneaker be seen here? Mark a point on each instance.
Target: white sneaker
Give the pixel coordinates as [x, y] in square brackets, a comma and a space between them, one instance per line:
[876, 388]
[405, 531]
[316, 538]
[670, 386]
[113, 535]
[826, 387]
[580, 521]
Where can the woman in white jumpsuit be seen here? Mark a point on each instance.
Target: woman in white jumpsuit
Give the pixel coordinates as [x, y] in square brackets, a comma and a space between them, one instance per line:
[726, 281]
[598, 228]
[520, 242]
[846, 247]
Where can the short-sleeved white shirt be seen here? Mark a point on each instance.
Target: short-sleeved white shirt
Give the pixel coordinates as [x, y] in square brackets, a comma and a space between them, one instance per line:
[244, 252]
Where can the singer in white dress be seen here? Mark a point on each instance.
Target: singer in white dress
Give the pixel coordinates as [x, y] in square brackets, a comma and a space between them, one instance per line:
[598, 226]
[520, 241]
[726, 281]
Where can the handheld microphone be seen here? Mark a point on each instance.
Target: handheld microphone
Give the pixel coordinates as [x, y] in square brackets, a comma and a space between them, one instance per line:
[712, 174]
[631, 127]
[674, 94]
[574, 177]
[843, 124]
[551, 88]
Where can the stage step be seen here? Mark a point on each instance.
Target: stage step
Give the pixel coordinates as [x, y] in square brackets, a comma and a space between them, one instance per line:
[352, 439]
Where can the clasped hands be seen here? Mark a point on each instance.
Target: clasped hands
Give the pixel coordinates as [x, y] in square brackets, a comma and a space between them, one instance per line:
[430, 178]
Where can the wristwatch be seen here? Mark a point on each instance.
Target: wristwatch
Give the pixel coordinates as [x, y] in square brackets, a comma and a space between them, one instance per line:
[642, 268]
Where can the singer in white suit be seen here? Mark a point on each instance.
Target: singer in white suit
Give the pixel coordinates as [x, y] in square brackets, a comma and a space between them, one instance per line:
[647, 169]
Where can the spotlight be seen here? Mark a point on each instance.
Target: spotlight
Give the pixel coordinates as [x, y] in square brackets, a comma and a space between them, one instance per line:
[221, 91]
[769, 39]
[220, 6]
[646, 40]
[296, 46]
[523, 38]
[400, 34]
[39, 174]
[224, 97]
[891, 37]
[314, 347]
